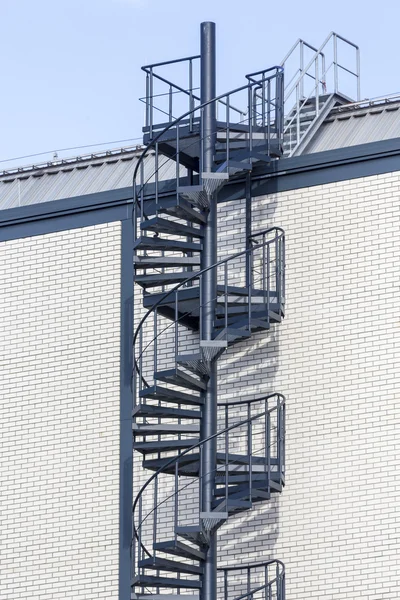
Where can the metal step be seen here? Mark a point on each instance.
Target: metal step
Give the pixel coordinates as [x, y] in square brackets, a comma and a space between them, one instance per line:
[156, 243]
[178, 548]
[157, 262]
[164, 564]
[165, 582]
[194, 363]
[193, 533]
[182, 379]
[164, 445]
[167, 395]
[183, 210]
[167, 412]
[163, 428]
[232, 167]
[160, 225]
[160, 279]
[195, 194]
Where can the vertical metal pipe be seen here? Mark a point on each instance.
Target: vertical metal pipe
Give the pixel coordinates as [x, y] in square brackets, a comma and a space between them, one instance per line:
[335, 64]
[170, 104]
[208, 298]
[151, 105]
[301, 68]
[316, 86]
[191, 103]
[358, 75]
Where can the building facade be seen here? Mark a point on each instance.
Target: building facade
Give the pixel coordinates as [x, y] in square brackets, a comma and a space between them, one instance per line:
[69, 313]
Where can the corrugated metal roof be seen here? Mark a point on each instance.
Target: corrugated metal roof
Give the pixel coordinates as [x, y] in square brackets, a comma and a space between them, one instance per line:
[357, 124]
[75, 177]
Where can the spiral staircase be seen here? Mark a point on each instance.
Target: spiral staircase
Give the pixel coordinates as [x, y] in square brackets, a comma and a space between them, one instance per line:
[175, 355]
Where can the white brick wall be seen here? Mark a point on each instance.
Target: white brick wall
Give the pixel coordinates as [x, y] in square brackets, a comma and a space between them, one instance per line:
[336, 358]
[59, 415]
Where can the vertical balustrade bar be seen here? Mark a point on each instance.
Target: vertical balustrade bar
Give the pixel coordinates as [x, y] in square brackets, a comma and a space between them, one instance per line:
[191, 102]
[147, 112]
[142, 192]
[155, 514]
[226, 298]
[358, 74]
[140, 374]
[268, 448]
[170, 104]
[268, 276]
[155, 324]
[151, 105]
[269, 115]
[226, 458]
[227, 116]
[177, 164]
[156, 174]
[335, 64]
[176, 501]
[140, 549]
[297, 115]
[250, 260]
[317, 82]
[301, 68]
[277, 280]
[250, 107]
[176, 334]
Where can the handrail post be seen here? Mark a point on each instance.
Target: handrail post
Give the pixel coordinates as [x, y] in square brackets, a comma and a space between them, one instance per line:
[151, 105]
[335, 64]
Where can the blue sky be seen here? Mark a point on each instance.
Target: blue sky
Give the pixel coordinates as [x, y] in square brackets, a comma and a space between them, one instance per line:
[71, 69]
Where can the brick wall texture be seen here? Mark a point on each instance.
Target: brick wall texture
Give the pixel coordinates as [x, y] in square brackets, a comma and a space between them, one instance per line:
[59, 424]
[336, 358]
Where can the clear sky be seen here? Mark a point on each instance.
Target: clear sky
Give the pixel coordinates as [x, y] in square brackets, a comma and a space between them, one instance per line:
[71, 68]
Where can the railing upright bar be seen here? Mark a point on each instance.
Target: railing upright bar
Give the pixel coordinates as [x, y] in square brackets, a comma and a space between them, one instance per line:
[249, 287]
[151, 105]
[147, 119]
[177, 164]
[226, 298]
[155, 512]
[268, 448]
[227, 114]
[156, 175]
[142, 192]
[141, 359]
[302, 67]
[176, 334]
[176, 501]
[335, 64]
[225, 585]
[316, 86]
[358, 74]
[277, 267]
[155, 325]
[250, 112]
[269, 116]
[170, 104]
[226, 458]
[191, 100]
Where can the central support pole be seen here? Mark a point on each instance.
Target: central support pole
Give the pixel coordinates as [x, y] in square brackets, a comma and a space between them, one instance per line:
[208, 299]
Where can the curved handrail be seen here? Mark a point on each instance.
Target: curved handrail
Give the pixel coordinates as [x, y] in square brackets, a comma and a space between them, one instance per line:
[248, 567]
[196, 276]
[174, 459]
[190, 112]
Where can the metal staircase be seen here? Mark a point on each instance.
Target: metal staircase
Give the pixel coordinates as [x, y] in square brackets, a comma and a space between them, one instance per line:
[317, 80]
[209, 460]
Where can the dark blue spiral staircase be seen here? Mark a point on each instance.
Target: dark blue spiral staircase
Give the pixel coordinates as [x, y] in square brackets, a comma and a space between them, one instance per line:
[210, 460]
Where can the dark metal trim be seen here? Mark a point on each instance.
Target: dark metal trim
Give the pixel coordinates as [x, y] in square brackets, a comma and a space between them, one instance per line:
[126, 438]
[365, 160]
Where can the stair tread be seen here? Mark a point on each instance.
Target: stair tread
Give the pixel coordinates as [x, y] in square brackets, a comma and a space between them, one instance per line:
[162, 393]
[164, 445]
[144, 262]
[180, 378]
[180, 549]
[165, 564]
[161, 225]
[156, 581]
[150, 410]
[157, 243]
[159, 428]
[160, 279]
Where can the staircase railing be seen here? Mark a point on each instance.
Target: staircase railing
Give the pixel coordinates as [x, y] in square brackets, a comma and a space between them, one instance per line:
[266, 112]
[263, 580]
[265, 264]
[261, 445]
[320, 78]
